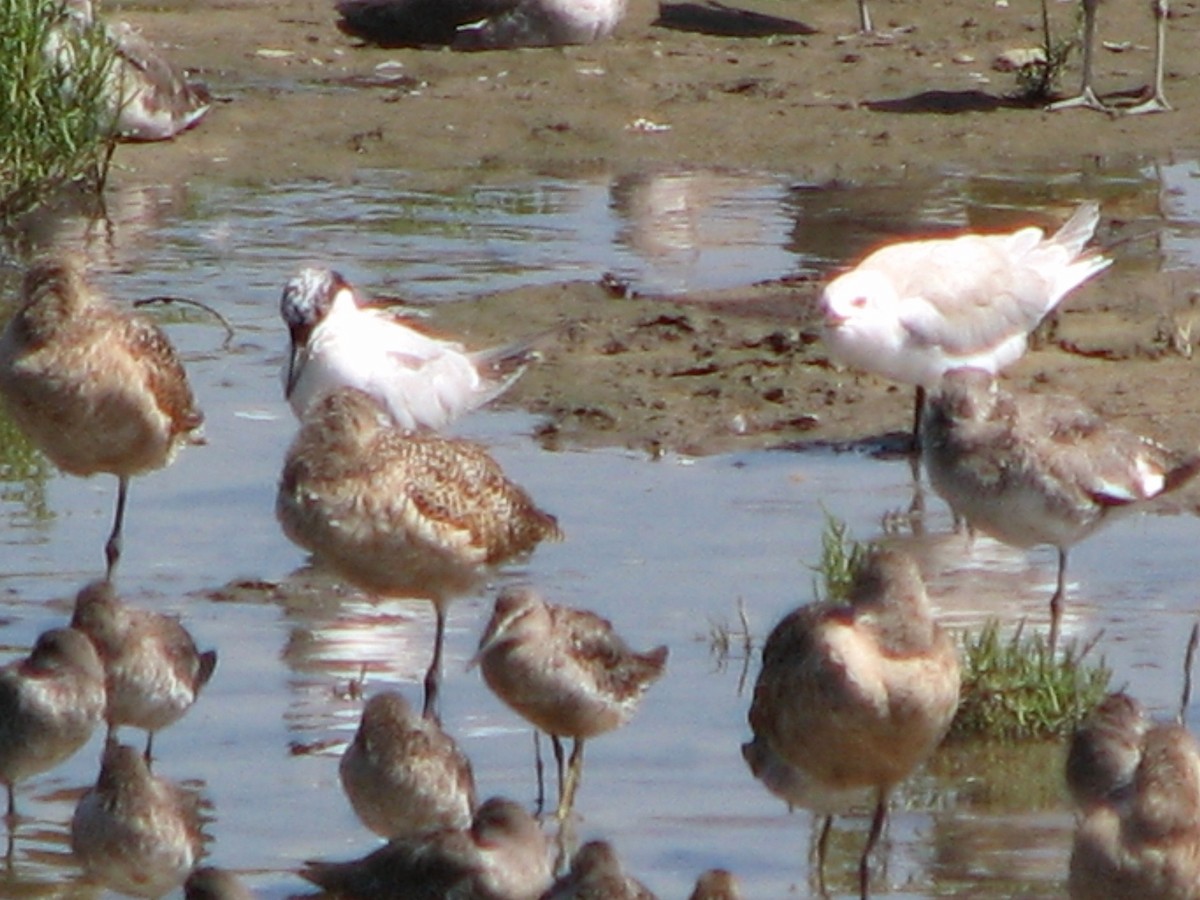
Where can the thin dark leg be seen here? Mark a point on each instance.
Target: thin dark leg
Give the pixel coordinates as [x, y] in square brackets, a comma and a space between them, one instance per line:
[1056, 602]
[149, 754]
[864, 864]
[12, 804]
[918, 411]
[541, 771]
[112, 549]
[433, 677]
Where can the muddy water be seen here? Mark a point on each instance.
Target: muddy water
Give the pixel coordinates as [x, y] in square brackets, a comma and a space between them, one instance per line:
[667, 548]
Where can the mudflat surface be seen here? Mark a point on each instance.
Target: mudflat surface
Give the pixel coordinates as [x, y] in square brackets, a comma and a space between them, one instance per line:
[299, 100]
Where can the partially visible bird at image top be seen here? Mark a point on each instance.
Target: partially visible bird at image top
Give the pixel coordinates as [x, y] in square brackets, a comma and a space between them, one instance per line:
[1033, 469]
[913, 310]
[503, 856]
[95, 388]
[1087, 97]
[424, 382]
[566, 671]
[1136, 787]
[50, 703]
[480, 24]
[147, 99]
[213, 883]
[855, 696]
[153, 670]
[403, 774]
[135, 832]
[716, 884]
[402, 514]
[597, 874]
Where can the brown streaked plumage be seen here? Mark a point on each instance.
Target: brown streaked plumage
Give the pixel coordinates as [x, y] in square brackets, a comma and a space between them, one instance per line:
[399, 514]
[96, 389]
[1105, 751]
[133, 831]
[1140, 840]
[50, 702]
[153, 670]
[856, 696]
[565, 670]
[503, 856]
[596, 874]
[403, 774]
[716, 884]
[1038, 469]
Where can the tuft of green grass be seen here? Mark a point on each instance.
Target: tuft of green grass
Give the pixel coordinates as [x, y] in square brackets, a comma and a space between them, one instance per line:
[1036, 82]
[841, 558]
[1014, 689]
[57, 128]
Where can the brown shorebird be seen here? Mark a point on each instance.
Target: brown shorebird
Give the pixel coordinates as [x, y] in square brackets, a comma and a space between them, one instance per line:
[147, 98]
[913, 310]
[503, 856]
[212, 883]
[1137, 790]
[1105, 751]
[1038, 469]
[857, 696]
[596, 872]
[566, 671]
[95, 389]
[424, 382]
[50, 702]
[400, 514]
[403, 774]
[135, 832]
[716, 884]
[153, 671]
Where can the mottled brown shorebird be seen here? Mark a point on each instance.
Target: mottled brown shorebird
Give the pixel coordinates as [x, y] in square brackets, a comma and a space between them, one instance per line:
[397, 514]
[1136, 786]
[403, 774]
[1033, 469]
[503, 856]
[596, 872]
[96, 389]
[133, 831]
[566, 671]
[50, 703]
[153, 670]
[856, 696]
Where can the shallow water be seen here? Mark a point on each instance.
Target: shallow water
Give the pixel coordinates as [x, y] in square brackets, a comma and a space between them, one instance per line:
[666, 548]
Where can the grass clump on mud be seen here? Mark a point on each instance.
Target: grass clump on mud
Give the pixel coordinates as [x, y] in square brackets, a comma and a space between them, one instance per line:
[57, 121]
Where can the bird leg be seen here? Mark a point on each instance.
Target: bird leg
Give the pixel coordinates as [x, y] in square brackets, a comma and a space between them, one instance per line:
[1087, 95]
[1056, 602]
[1157, 102]
[864, 18]
[864, 864]
[556, 744]
[540, 769]
[822, 846]
[112, 548]
[566, 800]
[433, 677]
